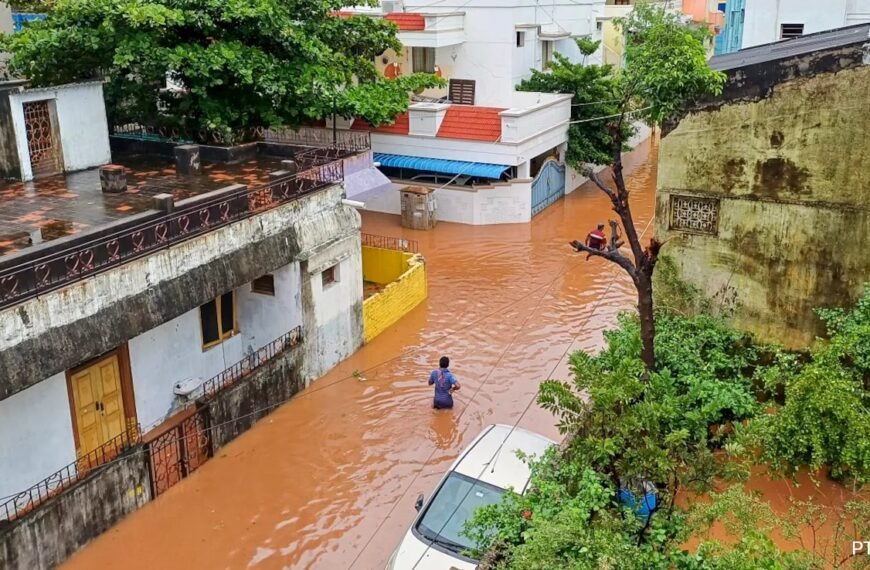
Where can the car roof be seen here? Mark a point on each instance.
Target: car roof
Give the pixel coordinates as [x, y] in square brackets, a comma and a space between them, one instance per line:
[492, 457]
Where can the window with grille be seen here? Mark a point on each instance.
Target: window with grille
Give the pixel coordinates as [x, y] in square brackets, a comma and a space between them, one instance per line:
[423, 59]
[694, 214]
[264, 285]
[217, 320]
[462, 91]
[789, 31]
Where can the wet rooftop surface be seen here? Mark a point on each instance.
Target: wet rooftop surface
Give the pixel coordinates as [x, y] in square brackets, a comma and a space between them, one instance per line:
[74, 203]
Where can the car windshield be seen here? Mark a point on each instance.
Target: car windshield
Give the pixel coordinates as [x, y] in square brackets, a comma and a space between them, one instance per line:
[444, 520]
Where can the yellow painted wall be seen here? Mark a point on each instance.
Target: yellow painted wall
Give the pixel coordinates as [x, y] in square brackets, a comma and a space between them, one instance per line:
[406, 287]
[791, 173]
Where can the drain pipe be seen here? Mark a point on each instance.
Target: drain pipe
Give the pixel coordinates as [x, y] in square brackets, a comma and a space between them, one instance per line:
[354, 204]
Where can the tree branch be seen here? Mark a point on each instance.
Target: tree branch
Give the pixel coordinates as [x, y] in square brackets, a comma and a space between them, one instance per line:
[612, 255]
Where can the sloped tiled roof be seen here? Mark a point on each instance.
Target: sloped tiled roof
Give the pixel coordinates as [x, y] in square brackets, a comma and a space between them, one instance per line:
[471, 123]
[407, 22]
[400, 127]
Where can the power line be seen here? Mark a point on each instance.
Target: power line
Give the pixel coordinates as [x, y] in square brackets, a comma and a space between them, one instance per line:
[465, 409]
[610, 116]
[528, 406]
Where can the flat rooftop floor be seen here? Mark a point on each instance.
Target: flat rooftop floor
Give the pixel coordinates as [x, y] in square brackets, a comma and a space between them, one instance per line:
[74, 203]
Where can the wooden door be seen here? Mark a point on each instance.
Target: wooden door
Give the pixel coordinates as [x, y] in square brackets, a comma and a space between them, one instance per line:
[98, 404]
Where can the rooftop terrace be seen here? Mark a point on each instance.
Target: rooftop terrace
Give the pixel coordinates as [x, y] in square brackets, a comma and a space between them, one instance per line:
[74, 203]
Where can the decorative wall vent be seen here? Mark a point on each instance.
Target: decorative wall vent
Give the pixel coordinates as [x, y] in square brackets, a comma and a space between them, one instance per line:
[693, 214]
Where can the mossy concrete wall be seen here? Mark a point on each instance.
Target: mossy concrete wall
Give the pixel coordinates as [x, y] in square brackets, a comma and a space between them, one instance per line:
[791, 169]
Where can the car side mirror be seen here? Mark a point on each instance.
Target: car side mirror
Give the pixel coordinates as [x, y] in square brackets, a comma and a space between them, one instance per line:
[418, 504]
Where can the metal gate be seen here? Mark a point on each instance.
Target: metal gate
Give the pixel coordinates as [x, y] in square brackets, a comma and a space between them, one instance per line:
[41, 140]
[179, 450]
[548, 186]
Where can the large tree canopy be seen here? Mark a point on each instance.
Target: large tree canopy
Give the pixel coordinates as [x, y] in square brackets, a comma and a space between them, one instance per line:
[239, 63]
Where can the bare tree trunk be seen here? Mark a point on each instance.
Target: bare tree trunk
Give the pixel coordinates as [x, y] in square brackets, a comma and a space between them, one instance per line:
[647, 319]
[641, 267]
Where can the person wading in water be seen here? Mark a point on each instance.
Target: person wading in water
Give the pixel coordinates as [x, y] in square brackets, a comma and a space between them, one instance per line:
[445, 384]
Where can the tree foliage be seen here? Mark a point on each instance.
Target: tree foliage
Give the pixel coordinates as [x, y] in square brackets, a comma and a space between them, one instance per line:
[665, 69]
[239, 63]
[825, 418]
[717, 408]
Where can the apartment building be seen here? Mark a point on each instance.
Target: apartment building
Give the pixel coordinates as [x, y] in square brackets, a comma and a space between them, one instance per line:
[751, 23]
[494, 154]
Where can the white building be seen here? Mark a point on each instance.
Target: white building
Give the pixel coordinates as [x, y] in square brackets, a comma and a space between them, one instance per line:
[496, 155]
[766, 21]
[46, 131]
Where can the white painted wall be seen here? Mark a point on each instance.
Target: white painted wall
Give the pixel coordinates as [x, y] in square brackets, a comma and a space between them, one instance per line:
[173, 351]
[6, 25]
[36, 436]
[338, 333]
[489, 54]
[81, 116]
[503, 203]
[764, 17]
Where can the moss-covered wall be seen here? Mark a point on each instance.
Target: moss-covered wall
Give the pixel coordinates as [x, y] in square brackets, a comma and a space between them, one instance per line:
[792, 172]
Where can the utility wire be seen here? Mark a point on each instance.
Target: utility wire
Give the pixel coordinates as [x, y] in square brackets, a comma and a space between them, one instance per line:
[528, 406]
[466, 408]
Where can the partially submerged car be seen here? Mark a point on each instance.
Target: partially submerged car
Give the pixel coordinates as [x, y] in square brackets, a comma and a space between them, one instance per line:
[485, 471]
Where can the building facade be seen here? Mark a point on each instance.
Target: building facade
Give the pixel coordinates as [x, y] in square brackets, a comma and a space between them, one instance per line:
[764, 189]
[162, 309]
[755, 22]
[478, 141]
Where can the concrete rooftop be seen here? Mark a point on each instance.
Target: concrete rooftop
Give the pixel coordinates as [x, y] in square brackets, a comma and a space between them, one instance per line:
[74, 203]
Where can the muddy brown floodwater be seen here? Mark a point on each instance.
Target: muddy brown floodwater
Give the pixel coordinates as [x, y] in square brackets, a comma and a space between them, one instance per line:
[329, 479]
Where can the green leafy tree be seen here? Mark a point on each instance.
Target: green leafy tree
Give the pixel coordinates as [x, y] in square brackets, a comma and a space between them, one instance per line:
[665, 69]
[825, 418]
[239, 63]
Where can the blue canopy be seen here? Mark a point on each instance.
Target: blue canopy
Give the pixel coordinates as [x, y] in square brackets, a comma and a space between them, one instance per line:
[480, 169]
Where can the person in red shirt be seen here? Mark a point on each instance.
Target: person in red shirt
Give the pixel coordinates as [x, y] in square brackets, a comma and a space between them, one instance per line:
[596, 238]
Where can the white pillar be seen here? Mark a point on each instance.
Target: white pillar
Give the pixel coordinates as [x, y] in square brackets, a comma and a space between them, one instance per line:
[524, 170]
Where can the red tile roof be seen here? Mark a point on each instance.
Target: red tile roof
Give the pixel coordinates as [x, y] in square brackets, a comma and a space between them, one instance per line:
[400, 127]
[407, 22]
[471, 123]
[342, 14]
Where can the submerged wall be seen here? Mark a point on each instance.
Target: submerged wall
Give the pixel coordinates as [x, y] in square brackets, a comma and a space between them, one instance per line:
[404, 278]
[768, 191]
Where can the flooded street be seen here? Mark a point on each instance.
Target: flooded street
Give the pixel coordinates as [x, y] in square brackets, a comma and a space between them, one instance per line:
[329, 479]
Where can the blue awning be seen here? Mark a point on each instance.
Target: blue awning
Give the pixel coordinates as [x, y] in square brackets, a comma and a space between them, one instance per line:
[480, 169]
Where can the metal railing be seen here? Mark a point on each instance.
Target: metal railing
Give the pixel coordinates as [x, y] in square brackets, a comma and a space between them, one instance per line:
[244, 367]
[386, 242]
[22, 503]
[320, 137]
[80, 261]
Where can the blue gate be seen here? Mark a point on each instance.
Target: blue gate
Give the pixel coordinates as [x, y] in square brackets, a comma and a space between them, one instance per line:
[548, 186]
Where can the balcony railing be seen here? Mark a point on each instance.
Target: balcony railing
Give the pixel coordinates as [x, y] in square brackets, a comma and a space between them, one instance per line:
[247, 365]
[387, 242]
[80, 261]
[320, 137]
[22, 503]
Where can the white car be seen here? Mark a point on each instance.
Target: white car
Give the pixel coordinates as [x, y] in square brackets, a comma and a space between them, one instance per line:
[479, 477]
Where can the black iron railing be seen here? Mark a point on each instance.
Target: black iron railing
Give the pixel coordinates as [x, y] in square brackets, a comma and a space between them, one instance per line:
[248, 364]
[80, 261]
[387, 242]
[22, 503]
